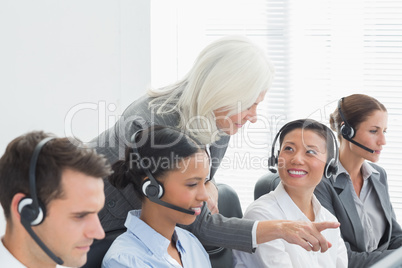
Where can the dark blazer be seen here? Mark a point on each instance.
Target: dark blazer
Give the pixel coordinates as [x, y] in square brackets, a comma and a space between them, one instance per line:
[337, 198]
[211, 230]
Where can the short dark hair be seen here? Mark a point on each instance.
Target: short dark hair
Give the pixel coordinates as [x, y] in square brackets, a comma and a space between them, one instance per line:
[159, 148]
[356, 108]
[56, 156]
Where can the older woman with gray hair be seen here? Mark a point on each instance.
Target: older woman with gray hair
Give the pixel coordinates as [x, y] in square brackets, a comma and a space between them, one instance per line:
[214, 100]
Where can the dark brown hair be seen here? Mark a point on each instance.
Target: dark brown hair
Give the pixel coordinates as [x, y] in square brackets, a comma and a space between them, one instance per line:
[56, 155]
[159, 149]
[356, 109]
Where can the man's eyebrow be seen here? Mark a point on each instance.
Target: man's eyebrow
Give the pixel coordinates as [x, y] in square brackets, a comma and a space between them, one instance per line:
[82, 213]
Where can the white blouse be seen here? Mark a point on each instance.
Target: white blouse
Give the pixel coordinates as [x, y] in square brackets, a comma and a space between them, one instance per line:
[278, 205]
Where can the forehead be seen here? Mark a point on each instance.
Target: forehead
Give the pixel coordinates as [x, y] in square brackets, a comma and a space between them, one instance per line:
[195, 166]
[305, 137]
[377, 118]
[80, 190]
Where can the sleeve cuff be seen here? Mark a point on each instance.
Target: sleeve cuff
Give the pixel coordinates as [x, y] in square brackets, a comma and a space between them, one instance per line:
[254, 235]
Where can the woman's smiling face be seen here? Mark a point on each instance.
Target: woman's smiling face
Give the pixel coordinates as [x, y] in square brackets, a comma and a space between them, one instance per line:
[302, 159]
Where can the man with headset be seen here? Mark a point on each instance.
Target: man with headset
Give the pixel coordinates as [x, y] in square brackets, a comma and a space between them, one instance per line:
[51, 191]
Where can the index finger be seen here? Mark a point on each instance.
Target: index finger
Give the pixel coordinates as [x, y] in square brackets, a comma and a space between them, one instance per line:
[321, 226]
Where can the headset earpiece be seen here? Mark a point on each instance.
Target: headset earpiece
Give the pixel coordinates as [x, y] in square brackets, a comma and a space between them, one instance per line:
[151, 190]
[272, 161]
[330, 168]
[347, 131]
[29, 213]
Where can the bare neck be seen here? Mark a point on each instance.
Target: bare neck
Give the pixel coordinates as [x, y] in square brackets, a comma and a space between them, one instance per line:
[20, 244]
[303, 200]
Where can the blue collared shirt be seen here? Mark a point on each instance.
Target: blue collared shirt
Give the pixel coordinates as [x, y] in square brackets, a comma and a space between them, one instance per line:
[141, 246]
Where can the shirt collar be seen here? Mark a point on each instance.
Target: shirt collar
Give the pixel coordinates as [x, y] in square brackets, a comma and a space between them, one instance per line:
[290, 209]
[153, 240]
[367, 170]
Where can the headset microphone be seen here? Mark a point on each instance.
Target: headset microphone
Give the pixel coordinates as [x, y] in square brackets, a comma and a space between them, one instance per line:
[359, 144]
[348, 132]
[31, 211]
[27, 226]
[152, 188]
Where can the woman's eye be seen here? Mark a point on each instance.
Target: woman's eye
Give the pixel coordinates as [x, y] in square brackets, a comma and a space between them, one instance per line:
[287, 148]
[373, 131]
[311, 152]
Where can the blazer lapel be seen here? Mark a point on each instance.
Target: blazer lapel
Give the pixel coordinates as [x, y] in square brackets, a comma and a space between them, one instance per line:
[382, 196]
[218, 150]
[342, 187]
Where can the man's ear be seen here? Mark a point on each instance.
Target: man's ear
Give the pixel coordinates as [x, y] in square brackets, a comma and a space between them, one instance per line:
[14, 214]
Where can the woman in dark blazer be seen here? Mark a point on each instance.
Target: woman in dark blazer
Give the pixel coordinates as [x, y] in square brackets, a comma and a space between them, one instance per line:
[358, 193]
[214, 100]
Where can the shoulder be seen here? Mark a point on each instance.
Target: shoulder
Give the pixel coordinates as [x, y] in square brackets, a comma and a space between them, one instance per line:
[324, 186]
[123, 259]
[125, 243]
[266, 207]
[143, 111]
[187, 237]
[126, 251]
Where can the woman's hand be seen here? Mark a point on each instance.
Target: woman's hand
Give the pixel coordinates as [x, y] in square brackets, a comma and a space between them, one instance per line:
[212, 202]
[305, 234]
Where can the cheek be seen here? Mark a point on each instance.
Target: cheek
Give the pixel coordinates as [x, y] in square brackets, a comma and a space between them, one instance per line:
[318, 165]
[242, 115]
[177, 193]
[221, 123]
[185, 196]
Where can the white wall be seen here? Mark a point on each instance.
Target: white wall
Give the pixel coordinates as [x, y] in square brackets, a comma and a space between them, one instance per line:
[70, 67]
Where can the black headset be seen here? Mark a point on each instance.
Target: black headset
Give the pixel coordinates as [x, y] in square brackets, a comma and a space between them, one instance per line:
[331, 167]
[151, 188]
[31, 210]
[347, 131]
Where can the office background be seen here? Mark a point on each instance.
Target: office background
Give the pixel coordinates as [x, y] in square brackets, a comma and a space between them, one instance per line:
[72, 67]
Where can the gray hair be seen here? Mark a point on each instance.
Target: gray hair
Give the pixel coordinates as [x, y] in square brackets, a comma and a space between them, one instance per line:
[229, 73]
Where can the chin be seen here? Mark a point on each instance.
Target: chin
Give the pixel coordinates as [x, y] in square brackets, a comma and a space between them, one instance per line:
[373, 159]
[188, 220]
[76, 262]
